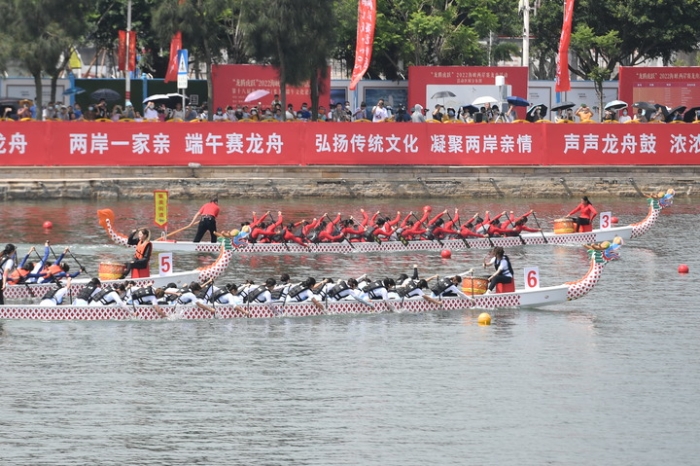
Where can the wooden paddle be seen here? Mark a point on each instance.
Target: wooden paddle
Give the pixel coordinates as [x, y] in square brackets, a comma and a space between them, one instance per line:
[538, 226]
[181, 229]
[463, 239]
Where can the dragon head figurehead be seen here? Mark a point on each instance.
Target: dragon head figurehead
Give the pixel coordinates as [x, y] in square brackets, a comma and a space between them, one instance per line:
[605, 251]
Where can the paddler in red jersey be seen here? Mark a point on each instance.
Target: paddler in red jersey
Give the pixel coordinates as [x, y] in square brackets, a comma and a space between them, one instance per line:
[586, 213]
[207, 215]
[142, 257]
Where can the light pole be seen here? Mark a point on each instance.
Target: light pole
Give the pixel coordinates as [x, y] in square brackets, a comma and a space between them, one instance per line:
[127, 93]
[524, 9]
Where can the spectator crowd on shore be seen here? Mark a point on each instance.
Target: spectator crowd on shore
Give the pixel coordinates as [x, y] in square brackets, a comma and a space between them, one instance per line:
[337, 112]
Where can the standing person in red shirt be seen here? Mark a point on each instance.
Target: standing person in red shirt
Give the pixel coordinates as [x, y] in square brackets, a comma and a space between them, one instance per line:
[586, 213]
[207, 219]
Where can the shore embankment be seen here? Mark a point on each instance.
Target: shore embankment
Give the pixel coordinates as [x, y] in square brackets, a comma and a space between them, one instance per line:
[376, 181]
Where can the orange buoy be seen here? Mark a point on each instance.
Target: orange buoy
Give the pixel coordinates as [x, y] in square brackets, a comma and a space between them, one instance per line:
[48, 224]
[683, 268]
[446, 254]
[615, 220]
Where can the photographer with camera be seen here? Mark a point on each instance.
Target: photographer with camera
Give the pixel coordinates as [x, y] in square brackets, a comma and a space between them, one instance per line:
[402, 115]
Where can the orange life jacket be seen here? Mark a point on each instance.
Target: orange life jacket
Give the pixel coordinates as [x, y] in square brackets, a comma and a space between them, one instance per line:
[17, 275]
[141, 250]
[52, 270]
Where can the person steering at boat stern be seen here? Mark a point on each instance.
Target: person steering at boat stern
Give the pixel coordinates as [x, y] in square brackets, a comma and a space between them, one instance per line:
[207, 219]
[142, 257]
[504, 269]
[586, 213]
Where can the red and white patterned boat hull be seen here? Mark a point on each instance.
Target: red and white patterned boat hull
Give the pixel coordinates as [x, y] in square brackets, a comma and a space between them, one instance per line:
[519, 298]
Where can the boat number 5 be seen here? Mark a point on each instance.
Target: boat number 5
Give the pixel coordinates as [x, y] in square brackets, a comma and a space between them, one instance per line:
[532, 278]
[605, 220]
[165, 263]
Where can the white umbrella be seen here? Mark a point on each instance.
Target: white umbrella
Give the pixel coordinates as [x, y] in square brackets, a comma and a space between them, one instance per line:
[255, 95]
[485, 100]
[615, 105]
[156, 98]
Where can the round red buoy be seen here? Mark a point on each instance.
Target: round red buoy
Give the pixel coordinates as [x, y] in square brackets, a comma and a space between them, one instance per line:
[683, 268]
[446, 254]
[427, 209]
[614, 220]
[48, 224]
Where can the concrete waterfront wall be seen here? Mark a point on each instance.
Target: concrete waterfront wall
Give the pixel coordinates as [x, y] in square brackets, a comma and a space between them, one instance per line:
[35, 183]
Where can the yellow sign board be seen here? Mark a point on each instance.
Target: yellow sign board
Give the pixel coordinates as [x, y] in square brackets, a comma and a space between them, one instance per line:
[161, 208]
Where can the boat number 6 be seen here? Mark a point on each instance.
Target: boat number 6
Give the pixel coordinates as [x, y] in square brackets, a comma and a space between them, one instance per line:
[532, 277]
[165, 263]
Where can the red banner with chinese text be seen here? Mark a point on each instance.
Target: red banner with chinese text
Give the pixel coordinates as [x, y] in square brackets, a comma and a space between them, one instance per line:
[122, 48]
[55, 143]
[175, 45]
[366, 20]
[562, 81]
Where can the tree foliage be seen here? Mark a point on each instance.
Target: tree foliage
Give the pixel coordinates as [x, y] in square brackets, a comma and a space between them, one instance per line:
[204, 28]
[294, 37]
[610, 33]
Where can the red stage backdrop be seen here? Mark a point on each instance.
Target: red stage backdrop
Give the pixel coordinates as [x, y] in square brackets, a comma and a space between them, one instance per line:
[232, 83]
[670, 86]
[213, 144]
[453, 86]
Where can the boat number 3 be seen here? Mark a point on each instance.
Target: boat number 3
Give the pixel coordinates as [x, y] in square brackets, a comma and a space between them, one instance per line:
[165, 263]
[532, 277]
[605, 220]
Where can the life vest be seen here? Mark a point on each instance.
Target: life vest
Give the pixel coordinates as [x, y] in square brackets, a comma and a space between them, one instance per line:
[442, 285]
[143, 250]
[215, 296]
[252, 296]
[497, 264]
[52, 271]
[99, 297]
[87, 292]
[277, 294]
[18, 275]
[405, 290]
[296, 290]
[142, 293]
[51, 293]
[372, 287]
[337, 290]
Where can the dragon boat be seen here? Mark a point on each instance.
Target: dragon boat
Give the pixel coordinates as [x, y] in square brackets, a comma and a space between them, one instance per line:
[520, 298]
[656, 204]
[200, 274]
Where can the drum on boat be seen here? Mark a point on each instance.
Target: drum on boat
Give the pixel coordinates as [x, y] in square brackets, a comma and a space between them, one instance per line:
[475, 285]
[563, 226]
[111, 270]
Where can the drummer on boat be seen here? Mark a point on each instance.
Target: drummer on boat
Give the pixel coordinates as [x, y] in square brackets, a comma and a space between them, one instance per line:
[586, 214]
[504, 269]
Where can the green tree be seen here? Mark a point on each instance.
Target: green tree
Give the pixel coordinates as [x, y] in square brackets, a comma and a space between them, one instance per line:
[287, 34]
[430, 32]
[609, 33]
[204, 27]
[42, 31]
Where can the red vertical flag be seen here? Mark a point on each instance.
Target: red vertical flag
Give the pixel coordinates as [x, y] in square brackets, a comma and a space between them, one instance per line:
[562, 81]
[175, 45]
[366, 20]
[121, 51]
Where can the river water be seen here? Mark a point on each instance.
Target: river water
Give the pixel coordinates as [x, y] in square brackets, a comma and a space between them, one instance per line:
[609, 379]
